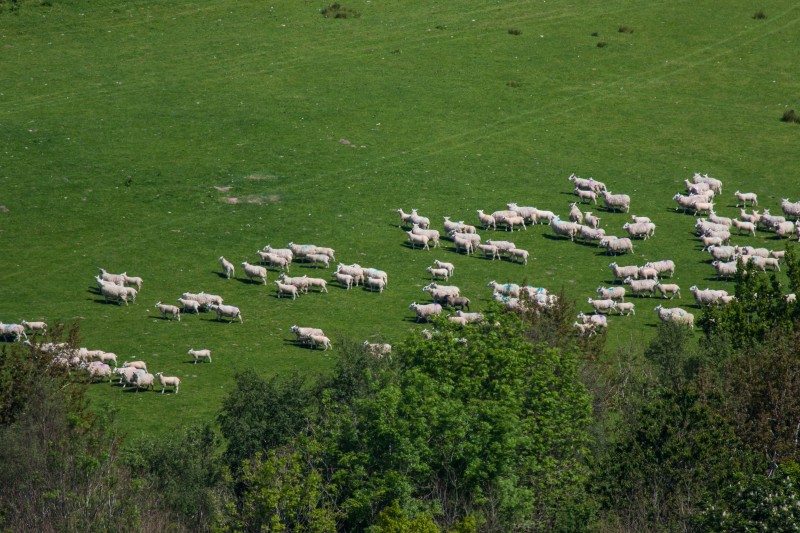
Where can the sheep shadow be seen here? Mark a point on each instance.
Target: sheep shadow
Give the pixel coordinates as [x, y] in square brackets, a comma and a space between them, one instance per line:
[163, 318]
[222, 275]
[553, 237]
[249, 281]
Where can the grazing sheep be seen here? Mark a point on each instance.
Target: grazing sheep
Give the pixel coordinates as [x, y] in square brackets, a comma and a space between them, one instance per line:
[200, 354]
[505, 289]
[105, 357]
[172, 310]
[563, 228]
[626, 308]
[617, 201]
[575, 213]
[580, 183]
[34, 326]
[374, 284]
[345, 280]
[763, 262]
[744, 197]
[487, 220]
[748, 227]
[489, 249]
[168, 381]
[602, 306]
[189, 305]
[668, 288]
[432, 234]
[143, 381]
[586, 195]
[317, 282]
[425, 311]
[517, 253]
[228, 311]
[449, 266]
[117, 279]
[612, 293]
[615, 245]
[204, 299]
[303, 334]
[777, 254]
[378, 349]
[439, 273]
[622, 272]
[415, 239]
[724, 269]
[640, 286]
[227, 267]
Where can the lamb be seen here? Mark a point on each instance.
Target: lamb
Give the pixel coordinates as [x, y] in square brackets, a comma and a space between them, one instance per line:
[200, 354]
[449, 266]
[114, 292]
[696, 188]
[462, 302]
[345, 280]
[280, 252]
[602, 306]
[591, 234]
[425, 311]
[748, 227]
[140, 365]
[547, 215]
[100, 370]
[228, 311]
[668, 288]
[724, 269]
[785, 229]
[316, 259]
[34, 326]
[708, 242]
[702, 225]
[744, 197]
[763, 262]
[17, 330]
[463, 241]
[375, 284]
[707, 296]
[706, 207]
[626, 308]
[722, 253]
[612, 293]
[105, 357]
[320, 340]
[617, 201]
[530, 214]
[591, 220]
[614, 245]
[665, 265]
[581, 183]
[622, 272]
[166, 309]
[716, 219]
[646, 272]
[715, 184]
[439, 273]
[143, 381]
[274, 260]
[354, 270]
[469, 317]
[405, 218]
[517, 253]
[227, 267]
[724, 236]
[749, 250]
[575, 214]
[432, 234]
[305, 332]
[585, 330]
[317, 282]
[442, 290]
[507, 289]
[375, 273]
[117, 279]
[598, 321]
[461, 321]
[511, 221]
[487, 220]
[568, 229]
[685, 202]
[128, 375]
[204, 299]
[490, 249]
[790, 209]
[675, 314]
[770, 221]
[415, 239]
[170, 381]
[639, 286]
[423, 222]
[644, 230]
[586, 195]
[502, 246]
[378, 349]
[301, 282]
[189, 305]
[450, 226]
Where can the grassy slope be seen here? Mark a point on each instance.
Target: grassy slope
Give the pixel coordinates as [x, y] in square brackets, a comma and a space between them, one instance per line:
[117, 122]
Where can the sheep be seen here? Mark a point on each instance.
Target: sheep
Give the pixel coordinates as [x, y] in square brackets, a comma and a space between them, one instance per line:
[280, 252]
[465, 242]
[612, 293]
[489, 249]
[139, 365]
[622, 272]
[585, 330]
[722, 253]
[274, 260]
[34, 326]
[114, 292]
[617, 201]
[202, 298]
[591, 234]
[646, 272]
[425, 311]
[301, 282]
[301, 251]
[591, 220]
[469, 317]
[715, 184]
[507, 289]
[227, 267]
[614, 245]
[530, 214]
[744, 197]
[423, 222]
[575, 214]
[170, 381]
[439, 273]
[639, 286]
[680, 317]
[748, 227]
[378, 349]
[354, 270]
[785, 229]
[763, 262]
[143, 381]
[547, 215]
[320, 340]
[172, 310]
[461, 321]
[502, 246]
[696, 188]
[602, 306]
[449, 226]
[17, 330]
[317, 282]
[502, 213]
[375, 273]
[487, 220]
[586, 195]
[405, 218]
[644, 230]
[374, 284]
[580, 183]
[345, 280]
[626, 308]
[770, 221]
[724, 236]
[440, 292]
[303, 333]
[563, 228]
[200, 354]
[640, 219]
[665, 265]
[598, 321]
[790, 209]
[432, 234]
[724, 269]
[117, 279]
[706, 207]
[134, 280]
[415, 239]
[101, 370]
[517, 253]
[710, 241]
[702, 225]
[453, 301]
[777, 254]
[707, 296]
[668, 288]
[189, 305]
[228, 311]
[449, 266]
[684, 202]
[716, 219]
[316, 259]
[511, 221]
[127, 375]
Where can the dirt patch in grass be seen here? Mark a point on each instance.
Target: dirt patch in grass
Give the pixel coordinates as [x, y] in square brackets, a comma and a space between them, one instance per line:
[223, 189]
[3, 209]
[259, 177]
[231, 200]
[254, 199]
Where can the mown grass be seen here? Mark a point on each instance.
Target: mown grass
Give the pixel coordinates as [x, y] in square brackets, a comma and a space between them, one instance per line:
[119, 122]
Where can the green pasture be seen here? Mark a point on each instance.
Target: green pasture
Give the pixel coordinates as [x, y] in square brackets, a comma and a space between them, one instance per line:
[127, 127]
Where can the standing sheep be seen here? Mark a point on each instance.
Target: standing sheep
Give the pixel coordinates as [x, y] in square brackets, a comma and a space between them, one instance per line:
[200, 354]
[617, 201]
[166, 309]
[227, 267]
[228, 311]
[744, 197]
[170, 381]
[255, 271]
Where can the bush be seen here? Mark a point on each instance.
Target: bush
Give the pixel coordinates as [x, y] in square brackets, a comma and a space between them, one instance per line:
[759, 15]
[513, 84]
[338, 11]
[602, 44]
[625, 29]
[790, 116]
[513, 31]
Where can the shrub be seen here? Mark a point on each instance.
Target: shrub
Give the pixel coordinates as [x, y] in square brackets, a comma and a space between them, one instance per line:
[625, 29]
[759, 15]
[790, 116]
[338, 11]
[513, 84]
[602, 44]
[514, 31]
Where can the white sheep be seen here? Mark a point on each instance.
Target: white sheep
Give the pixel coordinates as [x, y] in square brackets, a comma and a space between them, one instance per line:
[622, 272]
[416, 218]
[320, 340]
[115, 292]
[744, 197]
[442, 273]
[101, 370]
[602, 306]
[489, 250]
[374, 284]
[168, 381]
[677, 315]
[375, 273]
[724, 269]
[716, 219]
[134, 280]
[117, 279]
[378, 349]
[285, 288]
[587, 233]
[616, 246]
[463, 241]
[770, 221]
[785, 229]
[626, 308]
[415, 239]
[563, 228]
[530, 214]
[708, 242]
[745, 226]
[643, 230]
[450, 226]
[17, 330]
[612, 293]
[345, 280]
[575, 213]
[518, 253]
[227, 267]
[664, 265]
[405, 218]
[317, 282]
[425, 311]
[317, 259]
[442, 264]
[617, 201]
[275, 260]
[502, 246]
[280, 252]
[715, 184]
[640, 286]
[143, 381]
[354, 270]
[440, 292]
[506, 289]
[166, 309]
[200, 354]
[104, 357]
[432, 234]
[301, 282]
[469, 317]
[141, 365]
[488, 221]
[670, 289]
[127, 375]
[696, 188]
[722, 253]
[546, 215]
[34, 326]
[511, 221]
[707, 296]
[303, 332]
[585, 330]
[685, 202]
[228, 311]
[591, 220]
[586, 195]
[724, 236]
[598, 321]
[189, 305]
[790, 209]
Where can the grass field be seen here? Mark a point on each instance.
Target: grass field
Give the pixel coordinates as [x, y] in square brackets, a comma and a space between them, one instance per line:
[126, 128]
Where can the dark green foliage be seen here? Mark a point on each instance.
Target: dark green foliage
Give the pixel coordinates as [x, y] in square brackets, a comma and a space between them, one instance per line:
[790, 116]
[675, 353]
[759, 15]
[625, 29]
[513, 84]
[514, 31]
[602, 44]
[338, 11]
